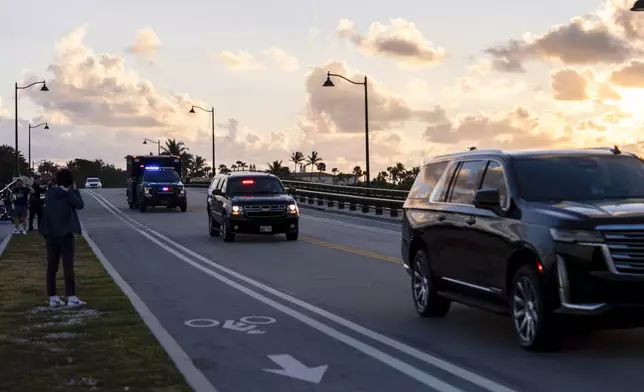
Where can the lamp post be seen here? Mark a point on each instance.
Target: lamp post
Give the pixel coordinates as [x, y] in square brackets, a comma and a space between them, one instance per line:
[33, 164]
[638, 6]
[329, 83]
[158, 142]
[16, 88]
[212, 113]
[30, 128]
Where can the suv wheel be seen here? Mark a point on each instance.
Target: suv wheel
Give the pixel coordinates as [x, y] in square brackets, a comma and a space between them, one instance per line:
[142, 206]
[225, 232]
[292, 235]
[427, 301]
[212, 230]
[533, 323]
[184, 207]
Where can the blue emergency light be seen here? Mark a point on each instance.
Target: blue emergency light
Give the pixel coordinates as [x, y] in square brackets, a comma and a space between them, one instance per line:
[152, 168]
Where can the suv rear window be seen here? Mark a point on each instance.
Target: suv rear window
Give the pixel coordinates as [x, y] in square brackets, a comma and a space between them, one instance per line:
[254, 185]
[580, 178]
[426, 180]
[161, 176]
[92, 179]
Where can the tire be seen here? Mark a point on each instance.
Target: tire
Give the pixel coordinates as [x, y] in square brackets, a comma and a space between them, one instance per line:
[292, 235]
[228, 236]
[142, 206]
[427, 301]
[184, 207]
[534, 324]
[130, 204]
[213, 231]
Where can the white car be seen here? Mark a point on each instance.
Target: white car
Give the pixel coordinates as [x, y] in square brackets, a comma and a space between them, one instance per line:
[93, 182]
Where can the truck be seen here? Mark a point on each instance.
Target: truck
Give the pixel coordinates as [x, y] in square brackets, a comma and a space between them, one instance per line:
[153, 180]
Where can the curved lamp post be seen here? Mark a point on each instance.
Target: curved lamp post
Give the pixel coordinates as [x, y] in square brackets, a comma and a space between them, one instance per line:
[16, 88]
[212, 113]
[158, 143]
[638, 6]
[33, 164]
[329, 83]
[30, 128]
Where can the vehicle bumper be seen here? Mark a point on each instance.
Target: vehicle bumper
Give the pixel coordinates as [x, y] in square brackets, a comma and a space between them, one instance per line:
[588, 287]
[93, 186]
[244, 225]
[165, 200]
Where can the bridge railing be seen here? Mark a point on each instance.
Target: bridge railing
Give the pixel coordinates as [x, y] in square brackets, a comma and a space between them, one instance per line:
[352, 198]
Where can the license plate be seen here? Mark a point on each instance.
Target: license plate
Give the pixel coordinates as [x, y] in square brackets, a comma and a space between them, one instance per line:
[266, 229]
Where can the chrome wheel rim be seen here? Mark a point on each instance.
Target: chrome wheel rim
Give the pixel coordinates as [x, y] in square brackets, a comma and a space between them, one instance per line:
[525, 309]
[420, 286]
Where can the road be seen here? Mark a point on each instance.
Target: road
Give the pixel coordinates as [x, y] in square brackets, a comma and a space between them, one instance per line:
[339, 298]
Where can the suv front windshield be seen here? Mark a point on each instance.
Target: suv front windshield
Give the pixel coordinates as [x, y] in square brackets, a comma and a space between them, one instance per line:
[92, 179]
[161, 176]
[254, 185]
[580, 178]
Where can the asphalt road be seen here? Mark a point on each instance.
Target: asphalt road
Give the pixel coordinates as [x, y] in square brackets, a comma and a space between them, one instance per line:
[338, 297]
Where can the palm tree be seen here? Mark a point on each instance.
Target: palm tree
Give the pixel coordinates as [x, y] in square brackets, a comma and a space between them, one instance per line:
[173, 147]
[357, 171]
[334, 171]
[313, 160]
[199, 166]
[297, 157]
[243, 166]
[275, 168]
[321, 167]
[234, 167]
[223, 169]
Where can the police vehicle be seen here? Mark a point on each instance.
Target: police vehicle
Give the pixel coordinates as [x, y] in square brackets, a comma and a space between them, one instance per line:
[153, 180]
[250, 203]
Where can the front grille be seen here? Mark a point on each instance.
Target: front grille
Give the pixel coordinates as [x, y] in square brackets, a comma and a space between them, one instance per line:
[627, 249]
[265, 211]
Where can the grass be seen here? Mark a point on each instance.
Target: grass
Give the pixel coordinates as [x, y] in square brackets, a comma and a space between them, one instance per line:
[103, 346]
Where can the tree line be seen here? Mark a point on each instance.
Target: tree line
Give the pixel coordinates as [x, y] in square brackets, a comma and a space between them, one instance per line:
[195, 166]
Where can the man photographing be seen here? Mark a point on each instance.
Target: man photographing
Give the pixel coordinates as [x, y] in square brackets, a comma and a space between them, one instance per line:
[38, 191]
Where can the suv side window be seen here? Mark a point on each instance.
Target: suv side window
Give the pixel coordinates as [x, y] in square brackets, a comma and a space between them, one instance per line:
[213, 184]
[427, 180]
[222, 185]
[467, 182]
[494, 179]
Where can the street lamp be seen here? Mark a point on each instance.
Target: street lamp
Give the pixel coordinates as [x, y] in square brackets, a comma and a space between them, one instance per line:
[30, 128]
[16, 88]
[329, 83]
[33, 164]
[638, 6]
[158, 142]
[212, 112]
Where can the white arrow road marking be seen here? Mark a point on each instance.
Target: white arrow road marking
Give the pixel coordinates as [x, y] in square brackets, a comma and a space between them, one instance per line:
[291, 367]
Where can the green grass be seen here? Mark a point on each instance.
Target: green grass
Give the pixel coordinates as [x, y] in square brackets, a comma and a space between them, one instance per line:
[103, 346]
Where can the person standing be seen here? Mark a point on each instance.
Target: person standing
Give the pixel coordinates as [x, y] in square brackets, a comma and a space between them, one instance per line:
[60, 223]
[20, 195]
[38, 191]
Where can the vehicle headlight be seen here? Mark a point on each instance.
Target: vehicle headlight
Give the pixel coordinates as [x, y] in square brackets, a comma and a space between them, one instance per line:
[237, 210]
[564, 235]
[292, 209]
[182, 191]
[147, 190]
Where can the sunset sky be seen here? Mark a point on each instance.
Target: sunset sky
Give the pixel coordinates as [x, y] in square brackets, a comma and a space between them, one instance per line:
[444, 76]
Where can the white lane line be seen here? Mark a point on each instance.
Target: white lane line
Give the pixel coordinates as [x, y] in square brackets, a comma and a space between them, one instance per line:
[5, 242]
[448, 367]
[181, 359]
[403, 367]
[352, 225]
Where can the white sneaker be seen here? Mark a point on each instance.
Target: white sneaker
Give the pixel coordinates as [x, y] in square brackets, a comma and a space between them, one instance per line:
[74, 302]
[15, 231]
[24, 232]
[55, 301]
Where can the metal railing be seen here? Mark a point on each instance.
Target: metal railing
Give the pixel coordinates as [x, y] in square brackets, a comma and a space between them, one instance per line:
[353, 198]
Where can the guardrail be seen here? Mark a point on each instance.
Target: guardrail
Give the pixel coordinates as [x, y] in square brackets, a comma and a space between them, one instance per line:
[353, 198]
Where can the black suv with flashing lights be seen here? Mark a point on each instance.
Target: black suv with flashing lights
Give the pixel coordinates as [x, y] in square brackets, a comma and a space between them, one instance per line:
[553, 238]
[161, 187]
[250, 203]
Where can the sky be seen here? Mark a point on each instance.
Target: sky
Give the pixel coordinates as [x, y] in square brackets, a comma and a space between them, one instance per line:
[442, 76]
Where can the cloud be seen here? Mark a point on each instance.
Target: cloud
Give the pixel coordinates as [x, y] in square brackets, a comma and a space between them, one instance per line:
[401, 40]
[283, 60]
[240, 61]
[97, 107]
[146, 45]
[569, 85]
[629, 75]
[582, 41]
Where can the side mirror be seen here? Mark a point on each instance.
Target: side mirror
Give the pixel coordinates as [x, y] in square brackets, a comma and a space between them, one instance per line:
[291, 191]
[488, 199]
[216, 192]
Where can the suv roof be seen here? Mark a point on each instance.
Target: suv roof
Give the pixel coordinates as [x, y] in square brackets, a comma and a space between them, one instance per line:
[535, 153]
[249, 174]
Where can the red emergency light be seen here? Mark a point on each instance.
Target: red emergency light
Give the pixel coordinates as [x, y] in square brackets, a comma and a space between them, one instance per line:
[248, 182]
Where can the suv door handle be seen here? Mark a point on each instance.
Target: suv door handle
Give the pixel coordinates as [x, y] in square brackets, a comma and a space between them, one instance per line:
[440, 218]
[470, 220]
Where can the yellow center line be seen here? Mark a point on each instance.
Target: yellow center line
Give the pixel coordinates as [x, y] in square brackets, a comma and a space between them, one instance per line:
[354, 251]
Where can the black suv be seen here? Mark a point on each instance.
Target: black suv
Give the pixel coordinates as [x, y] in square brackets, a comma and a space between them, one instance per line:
[550, 237]
[161, 187]
[250, 203]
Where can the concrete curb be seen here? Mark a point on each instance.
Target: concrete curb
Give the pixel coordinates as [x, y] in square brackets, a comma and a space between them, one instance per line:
[194, 377]
[4, 243]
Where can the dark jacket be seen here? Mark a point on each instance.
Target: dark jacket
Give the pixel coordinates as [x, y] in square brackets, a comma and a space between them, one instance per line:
[59, 213]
